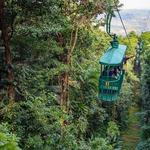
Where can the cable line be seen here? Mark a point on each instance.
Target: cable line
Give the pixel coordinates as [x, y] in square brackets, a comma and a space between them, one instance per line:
[122, 23]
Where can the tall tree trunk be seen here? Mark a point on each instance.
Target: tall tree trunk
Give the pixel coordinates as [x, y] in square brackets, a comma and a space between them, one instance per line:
[64, 96]
[1, 9]
[64, 78]
[8, 62]
[8, 56]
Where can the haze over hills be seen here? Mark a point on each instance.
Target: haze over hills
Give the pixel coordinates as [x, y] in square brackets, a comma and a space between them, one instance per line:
[134, 20]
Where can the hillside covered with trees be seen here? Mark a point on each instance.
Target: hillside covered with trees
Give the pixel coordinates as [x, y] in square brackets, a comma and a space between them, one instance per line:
[49, 76]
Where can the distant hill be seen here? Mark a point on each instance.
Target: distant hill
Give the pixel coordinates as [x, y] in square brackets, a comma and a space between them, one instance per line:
[134, 20]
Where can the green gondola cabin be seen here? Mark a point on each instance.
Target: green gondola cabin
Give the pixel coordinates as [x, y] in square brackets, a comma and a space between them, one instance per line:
[112, 73]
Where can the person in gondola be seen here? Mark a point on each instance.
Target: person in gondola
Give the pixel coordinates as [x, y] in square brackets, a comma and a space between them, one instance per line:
[111, 73]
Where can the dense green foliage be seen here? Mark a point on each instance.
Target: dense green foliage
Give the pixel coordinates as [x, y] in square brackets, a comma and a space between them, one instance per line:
[8, 141]
[45, 35]
[145, 94]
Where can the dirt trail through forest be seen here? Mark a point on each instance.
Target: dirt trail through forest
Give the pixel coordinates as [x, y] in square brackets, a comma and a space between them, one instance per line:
[131, 136]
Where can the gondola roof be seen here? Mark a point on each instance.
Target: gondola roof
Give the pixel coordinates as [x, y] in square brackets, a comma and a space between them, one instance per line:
[113, 56]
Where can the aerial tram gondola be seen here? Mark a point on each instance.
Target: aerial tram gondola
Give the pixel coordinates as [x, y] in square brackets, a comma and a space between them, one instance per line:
[112, 62]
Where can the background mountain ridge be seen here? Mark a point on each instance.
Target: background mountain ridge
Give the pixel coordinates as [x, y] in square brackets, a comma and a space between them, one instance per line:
[137, 20]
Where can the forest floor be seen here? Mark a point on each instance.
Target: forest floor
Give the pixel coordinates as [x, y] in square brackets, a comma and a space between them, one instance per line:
[131, 136]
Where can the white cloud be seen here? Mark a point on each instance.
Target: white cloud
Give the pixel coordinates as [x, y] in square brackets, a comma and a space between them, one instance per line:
[136, 4]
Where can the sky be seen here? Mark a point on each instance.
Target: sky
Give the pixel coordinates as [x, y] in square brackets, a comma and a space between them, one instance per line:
[136, 4]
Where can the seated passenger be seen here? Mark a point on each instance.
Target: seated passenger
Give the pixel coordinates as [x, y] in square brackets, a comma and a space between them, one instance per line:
[111, 73]
[114, 73]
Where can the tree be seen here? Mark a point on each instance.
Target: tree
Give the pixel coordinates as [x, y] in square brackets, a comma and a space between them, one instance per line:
[6, 36]
[145, 95]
